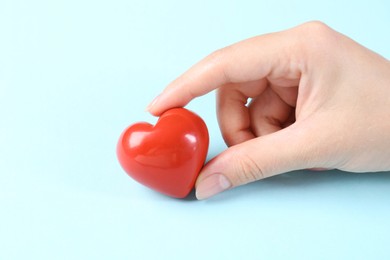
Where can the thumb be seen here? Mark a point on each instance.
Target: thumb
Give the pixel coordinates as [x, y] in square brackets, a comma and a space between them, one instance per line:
[286, 150]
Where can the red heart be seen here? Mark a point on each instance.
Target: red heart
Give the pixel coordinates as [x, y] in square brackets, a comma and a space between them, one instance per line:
[166, 157]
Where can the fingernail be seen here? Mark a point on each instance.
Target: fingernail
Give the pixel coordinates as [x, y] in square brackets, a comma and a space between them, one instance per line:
[212, 185]
[152, 103]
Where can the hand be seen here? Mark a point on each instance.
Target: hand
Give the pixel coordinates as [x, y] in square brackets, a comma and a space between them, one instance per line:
[317, 99]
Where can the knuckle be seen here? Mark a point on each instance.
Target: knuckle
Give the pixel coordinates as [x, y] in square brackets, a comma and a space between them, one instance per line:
[247, 169]
[316, 26]
[217, 56]
[191, 93]
[316, 35]
[216, 60]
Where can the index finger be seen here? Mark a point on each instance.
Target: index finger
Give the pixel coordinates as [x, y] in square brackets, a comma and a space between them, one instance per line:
[248, 60]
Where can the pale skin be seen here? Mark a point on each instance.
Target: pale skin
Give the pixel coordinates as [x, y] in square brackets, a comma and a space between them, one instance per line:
[308, 97]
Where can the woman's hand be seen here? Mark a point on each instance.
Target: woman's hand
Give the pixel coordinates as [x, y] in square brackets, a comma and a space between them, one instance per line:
[307, 97]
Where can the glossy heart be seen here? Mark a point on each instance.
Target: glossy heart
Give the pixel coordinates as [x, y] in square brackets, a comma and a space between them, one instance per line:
[166, 157]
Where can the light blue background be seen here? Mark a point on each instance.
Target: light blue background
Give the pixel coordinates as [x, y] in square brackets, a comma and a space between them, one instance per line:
[75, 73]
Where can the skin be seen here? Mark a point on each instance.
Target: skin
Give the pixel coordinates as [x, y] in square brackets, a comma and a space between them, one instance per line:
[307, 97]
